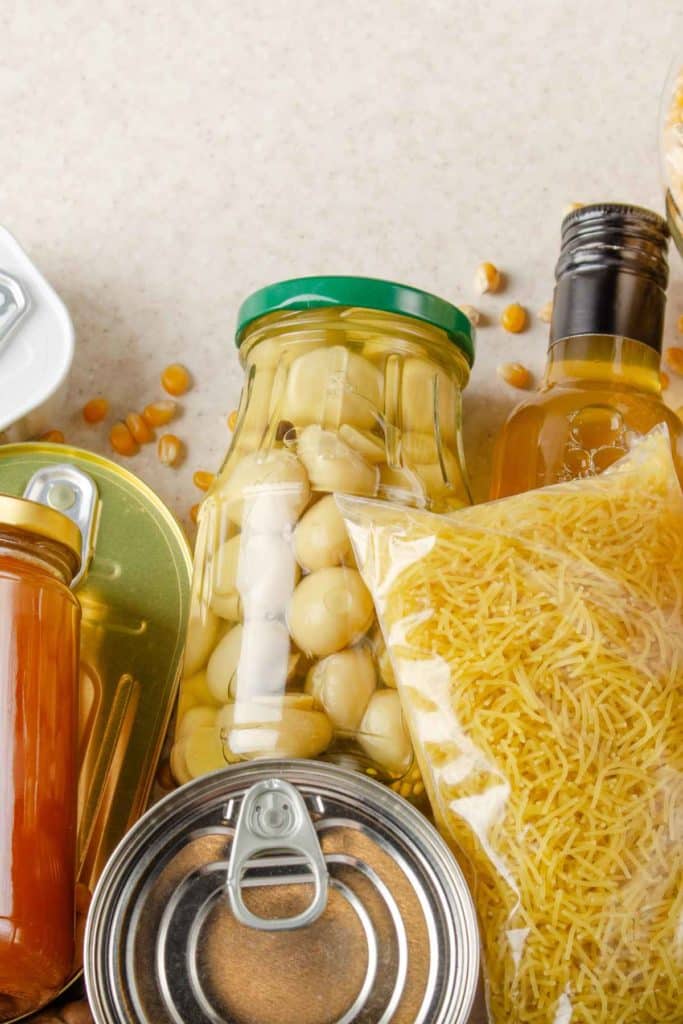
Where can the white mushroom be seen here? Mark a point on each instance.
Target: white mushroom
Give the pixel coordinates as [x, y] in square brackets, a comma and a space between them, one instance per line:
[320, 538]
[342, 685]
[383, 735]
[330, 610]
[333, 466]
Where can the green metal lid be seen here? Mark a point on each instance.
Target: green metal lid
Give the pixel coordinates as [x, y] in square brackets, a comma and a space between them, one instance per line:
[364, 292]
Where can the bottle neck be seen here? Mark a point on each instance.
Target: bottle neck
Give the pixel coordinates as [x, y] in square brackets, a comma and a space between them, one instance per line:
[603, 359]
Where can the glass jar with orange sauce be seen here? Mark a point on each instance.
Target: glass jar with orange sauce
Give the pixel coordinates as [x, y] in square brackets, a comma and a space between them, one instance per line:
[39, 636]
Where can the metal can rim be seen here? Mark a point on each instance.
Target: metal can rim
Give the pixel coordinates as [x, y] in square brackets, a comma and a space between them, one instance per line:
[436, 856]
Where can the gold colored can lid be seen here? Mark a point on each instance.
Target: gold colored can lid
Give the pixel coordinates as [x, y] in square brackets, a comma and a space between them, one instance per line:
[40, 521]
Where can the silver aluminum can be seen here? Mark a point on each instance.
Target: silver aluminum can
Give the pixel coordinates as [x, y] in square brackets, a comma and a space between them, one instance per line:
[282, 892]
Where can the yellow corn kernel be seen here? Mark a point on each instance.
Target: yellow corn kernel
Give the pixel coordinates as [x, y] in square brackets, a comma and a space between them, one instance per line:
[53, 436]
[122, 441]
[203, 480]
[95, 410]
[515, 374]
[571, 207]
[545, 313]
[673, 357]
[176, 379]
[472, 314]
[158, 414]
[487, 278]
[170, 450]
[139, 428]
[679, 324]
[232, 420]
[513, 318]
[664, 380]
[194, 512]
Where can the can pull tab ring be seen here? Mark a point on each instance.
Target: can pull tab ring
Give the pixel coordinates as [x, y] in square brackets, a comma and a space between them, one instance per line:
[73, 493]
[274, 817]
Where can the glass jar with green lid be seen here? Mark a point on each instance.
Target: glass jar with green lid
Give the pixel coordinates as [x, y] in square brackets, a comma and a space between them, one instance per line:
[352, 385]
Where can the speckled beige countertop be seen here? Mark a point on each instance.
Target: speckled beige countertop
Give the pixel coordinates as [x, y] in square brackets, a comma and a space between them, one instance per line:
[161, 159]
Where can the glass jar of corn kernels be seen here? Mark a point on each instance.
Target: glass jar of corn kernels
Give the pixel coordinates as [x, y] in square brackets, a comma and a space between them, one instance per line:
[352, 385]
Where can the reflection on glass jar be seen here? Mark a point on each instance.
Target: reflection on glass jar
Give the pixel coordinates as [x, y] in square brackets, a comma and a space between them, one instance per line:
[351, 386]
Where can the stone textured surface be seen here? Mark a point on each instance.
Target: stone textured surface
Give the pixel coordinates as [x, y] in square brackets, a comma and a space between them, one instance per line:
[161, 159]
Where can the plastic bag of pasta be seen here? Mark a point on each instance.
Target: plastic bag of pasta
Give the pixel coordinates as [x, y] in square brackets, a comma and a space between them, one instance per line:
[538, 646]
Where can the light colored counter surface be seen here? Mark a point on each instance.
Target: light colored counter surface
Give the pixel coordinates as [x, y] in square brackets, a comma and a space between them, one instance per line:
[161, 159]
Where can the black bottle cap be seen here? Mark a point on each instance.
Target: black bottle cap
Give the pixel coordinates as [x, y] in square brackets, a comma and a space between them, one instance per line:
[612, 274]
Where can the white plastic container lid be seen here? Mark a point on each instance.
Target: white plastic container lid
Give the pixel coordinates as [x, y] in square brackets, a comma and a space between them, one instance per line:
[36, 341]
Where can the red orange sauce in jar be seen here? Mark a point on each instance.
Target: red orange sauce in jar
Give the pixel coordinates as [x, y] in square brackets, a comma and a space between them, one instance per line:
[39, 635]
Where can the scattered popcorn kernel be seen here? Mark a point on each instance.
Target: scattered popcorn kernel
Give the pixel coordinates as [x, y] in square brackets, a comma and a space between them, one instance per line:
[570, 207]
[673, 357]
[158, 414]
[232, 420]
[170, 450]
[95, 410]
[139, 428]
[122, 441]
[545, 313]
[664, 380]
[194, 513]
[472, 314]
[513, 318]
[679, 324]
[515, 374]
[176, 379]
[487, 278]
[203, 480]
[54, 436]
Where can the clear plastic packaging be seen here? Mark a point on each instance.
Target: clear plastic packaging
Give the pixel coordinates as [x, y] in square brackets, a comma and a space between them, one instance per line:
[538, 647]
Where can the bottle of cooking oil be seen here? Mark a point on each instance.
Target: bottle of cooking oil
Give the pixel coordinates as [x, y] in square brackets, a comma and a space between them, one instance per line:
[602, 387]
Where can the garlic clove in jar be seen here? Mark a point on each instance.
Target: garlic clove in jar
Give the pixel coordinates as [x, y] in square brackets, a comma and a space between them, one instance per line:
[369, 446]
[255, 729]
[333, 466]
[330, 610]
[267, 490]
[320, 538]
[202, 630]
[193, 719]
[331, 386]
[383, 735]
[267, 575]
[342, 684]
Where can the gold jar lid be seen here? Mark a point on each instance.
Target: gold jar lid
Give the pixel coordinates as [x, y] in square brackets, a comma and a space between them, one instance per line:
[40, 521]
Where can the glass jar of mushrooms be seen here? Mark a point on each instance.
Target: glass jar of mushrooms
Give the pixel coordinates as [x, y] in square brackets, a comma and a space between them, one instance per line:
[352, 385]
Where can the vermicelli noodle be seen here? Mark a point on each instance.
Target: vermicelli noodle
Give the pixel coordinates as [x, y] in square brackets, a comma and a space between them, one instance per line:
[538, 647]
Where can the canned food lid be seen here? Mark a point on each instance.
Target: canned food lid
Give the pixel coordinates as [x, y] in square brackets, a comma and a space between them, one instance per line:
[40, 521]
[365, 292]
[282, 892]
